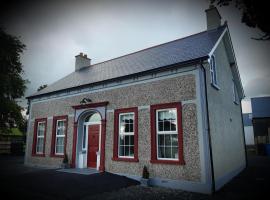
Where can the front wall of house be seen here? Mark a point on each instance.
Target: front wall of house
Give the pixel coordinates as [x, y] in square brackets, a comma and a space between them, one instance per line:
[142, 95]
[226, 126]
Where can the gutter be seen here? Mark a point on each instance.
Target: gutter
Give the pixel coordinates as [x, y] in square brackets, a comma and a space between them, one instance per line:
[213, 186]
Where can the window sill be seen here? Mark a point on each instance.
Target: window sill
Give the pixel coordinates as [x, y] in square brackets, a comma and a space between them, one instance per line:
[38, 155]
[126, 159]
[171, 162]
[215, 86]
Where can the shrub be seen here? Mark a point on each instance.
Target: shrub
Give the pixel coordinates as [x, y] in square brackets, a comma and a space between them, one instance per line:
[145, 173]
[65, 160]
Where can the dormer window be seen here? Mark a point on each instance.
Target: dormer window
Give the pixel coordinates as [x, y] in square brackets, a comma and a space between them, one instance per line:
[213, 72]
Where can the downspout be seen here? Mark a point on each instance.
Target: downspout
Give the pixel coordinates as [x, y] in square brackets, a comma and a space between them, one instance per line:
[244, 134]
[213, 188]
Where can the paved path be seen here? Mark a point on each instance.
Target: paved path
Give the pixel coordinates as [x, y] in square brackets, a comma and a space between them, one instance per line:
[20, 182]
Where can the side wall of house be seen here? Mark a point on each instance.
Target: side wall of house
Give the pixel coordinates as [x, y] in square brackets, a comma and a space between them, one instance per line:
[226, 127]
[180, 87]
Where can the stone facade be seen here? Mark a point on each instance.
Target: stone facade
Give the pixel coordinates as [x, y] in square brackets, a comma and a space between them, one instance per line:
[176, 89]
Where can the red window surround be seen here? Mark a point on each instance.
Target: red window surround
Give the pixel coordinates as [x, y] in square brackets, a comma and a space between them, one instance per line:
[55, 118]
[153, 110]
[35, 137]
[116, 134]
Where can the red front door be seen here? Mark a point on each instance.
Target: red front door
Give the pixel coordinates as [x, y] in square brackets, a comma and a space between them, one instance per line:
[93, 141]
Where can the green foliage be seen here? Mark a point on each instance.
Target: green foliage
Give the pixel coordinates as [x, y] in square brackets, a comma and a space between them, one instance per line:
[12, 85]
[42, 87]
[65, 160]
[255, 14]
[145, 173]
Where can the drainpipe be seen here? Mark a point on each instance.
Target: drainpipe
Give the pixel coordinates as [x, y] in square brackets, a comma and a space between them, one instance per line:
[209, 135]
[243, 134]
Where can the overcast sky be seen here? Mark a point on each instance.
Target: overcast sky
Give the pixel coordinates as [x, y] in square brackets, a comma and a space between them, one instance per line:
[55, 31]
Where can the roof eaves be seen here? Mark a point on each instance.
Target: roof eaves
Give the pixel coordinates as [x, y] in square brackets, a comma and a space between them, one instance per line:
[188, 62]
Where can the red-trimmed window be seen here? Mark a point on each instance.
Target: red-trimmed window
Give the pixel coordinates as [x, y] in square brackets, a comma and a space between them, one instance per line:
[39, 139]
[166, 134]
[59, 136]
[126, 135]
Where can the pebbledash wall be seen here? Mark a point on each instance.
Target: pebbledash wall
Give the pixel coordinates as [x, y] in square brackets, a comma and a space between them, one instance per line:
[181, 87]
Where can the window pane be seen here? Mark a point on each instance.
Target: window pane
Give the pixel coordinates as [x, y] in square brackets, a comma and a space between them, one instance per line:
[41, 129]
[173, 125]
[121, 139]
[160, 115]
[131, 140]
[174, 140]
[161, 139]
[121, 150]
[59, 150]
[127, 128]
[174, 152]
[84, 137]
[167, 125]
[166, 115]
[168, 152]
[39, 148]
[126, 150]
[160, 152]
[160, 126]
[130, 118]
[122, 128]
[93, 118]
[127, 140]
[172, 114]
[131, 127]
[131, 151]
[168, 140]
[59, 141]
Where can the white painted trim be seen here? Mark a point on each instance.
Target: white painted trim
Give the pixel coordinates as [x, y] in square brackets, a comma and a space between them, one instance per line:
[178, 73]
[217, 43]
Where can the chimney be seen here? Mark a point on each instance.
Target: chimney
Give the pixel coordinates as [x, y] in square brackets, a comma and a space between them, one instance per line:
[81, 61]
[213, 17]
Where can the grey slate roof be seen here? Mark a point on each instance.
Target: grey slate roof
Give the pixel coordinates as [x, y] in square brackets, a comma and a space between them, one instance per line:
[177, 51]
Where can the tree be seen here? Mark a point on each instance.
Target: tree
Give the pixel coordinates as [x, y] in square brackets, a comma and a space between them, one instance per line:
[42, 87]
[12, 85]
[255, 14]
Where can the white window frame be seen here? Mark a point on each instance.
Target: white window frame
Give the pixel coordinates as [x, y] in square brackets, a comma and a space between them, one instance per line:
[126, 134]
[166, 133]
[40, 137]
[213, 72]
[60, 136]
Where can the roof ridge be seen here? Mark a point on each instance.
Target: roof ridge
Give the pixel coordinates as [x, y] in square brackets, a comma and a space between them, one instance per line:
[155, 46]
